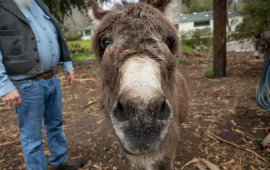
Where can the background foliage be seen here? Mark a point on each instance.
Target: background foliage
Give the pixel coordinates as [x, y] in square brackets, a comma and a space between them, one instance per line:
[63, 8]
[256, 18]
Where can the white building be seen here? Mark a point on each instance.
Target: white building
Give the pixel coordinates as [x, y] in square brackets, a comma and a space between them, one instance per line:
[88, 32]
[187, 22]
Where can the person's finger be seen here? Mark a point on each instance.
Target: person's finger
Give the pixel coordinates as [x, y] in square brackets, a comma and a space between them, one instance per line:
[72, 76]
[10, 103]
[14, 102]
[19, 101]
[68, 77]
[5, 102]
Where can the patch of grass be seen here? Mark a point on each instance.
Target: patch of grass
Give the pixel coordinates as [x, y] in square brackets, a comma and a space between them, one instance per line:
[94, 73]
[83, 44]
[77, 56]
[83, 50]
[186, 47]
[202, 61]
[182, 60]
[209, 72]
[91, 57]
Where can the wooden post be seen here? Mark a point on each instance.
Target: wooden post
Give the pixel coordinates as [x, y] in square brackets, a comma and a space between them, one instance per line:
[220, 21]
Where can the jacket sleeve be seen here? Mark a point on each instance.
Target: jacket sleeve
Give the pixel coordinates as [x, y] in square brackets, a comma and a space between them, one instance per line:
[6, 86]
[67, 65]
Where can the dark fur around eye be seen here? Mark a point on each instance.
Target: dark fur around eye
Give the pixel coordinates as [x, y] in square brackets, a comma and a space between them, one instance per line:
[105, 42]
[171, 43]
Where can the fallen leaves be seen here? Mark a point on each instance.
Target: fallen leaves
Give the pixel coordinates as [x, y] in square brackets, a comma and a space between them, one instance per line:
[214, 137]
[8, 143]
[201, 164]
[81, 80]
[91, 102]
[218, 89]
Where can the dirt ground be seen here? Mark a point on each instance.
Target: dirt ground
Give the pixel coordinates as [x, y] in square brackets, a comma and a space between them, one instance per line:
[224, 107]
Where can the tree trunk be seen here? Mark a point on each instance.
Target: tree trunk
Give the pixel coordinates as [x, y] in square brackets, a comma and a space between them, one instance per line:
[220, 18]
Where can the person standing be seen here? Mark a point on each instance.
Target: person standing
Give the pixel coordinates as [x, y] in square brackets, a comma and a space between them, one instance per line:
[31, 45]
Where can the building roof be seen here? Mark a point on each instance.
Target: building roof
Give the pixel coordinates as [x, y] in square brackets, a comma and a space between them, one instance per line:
[200, 16]
[89, 27]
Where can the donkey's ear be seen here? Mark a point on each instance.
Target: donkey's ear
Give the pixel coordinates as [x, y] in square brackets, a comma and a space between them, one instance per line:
[159, 4]
[169, 8]
[94, 11]
[261, 34]
[257, 35]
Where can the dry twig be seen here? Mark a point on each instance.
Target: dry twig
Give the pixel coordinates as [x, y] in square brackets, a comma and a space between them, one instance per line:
[8, 143]
[91, 102]
[212, 136]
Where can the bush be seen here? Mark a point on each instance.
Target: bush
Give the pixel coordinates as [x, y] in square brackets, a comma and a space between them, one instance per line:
[208, 72]
[186, 47]
[198, 39]
[94, 73]
[77, 56]
[85, 50]
[73, 36]
[76, 46]
[201, 61]
[199, 34]
[182, 60]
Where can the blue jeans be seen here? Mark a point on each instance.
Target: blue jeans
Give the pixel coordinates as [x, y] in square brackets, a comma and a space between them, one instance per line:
[41, 100]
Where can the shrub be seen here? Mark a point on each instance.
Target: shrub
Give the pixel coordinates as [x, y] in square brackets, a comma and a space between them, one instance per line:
[85, 50]
[77, 56]
[201, 61]
[72, 36]
[198, 39]
[74, 47]
[186, 47]
[199, 34]
[182, 60]
[94, 73]
[208, 72]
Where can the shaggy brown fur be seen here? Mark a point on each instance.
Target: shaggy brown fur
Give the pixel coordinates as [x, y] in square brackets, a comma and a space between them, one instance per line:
[262, 44]
[136, 30]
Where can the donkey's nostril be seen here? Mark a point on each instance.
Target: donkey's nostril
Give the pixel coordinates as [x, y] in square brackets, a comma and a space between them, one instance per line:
[119, 112]
[164, 112]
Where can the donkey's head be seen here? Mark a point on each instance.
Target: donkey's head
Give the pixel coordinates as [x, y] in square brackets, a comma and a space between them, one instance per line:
[261, 45]
[136, 46]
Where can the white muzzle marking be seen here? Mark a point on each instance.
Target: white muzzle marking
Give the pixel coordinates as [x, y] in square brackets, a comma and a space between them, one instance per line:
[142, 77]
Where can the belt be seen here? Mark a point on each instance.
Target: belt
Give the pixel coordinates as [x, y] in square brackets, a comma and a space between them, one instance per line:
[46, 75]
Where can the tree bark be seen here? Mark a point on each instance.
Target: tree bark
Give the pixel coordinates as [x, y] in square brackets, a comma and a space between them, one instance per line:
[220, 20]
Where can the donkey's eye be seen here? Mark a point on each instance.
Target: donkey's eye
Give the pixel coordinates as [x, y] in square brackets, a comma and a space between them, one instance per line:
[105, 42]
[170, 42]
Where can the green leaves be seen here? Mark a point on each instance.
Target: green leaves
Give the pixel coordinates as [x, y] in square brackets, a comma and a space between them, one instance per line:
[256, 18]
[63, 8]
[199, 5]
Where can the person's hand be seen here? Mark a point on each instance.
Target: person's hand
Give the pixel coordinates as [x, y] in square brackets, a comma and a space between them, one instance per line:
[12, 99]
[70, 75]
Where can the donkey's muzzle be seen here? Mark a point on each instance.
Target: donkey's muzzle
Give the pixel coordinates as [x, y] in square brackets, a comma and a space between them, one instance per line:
[157, 109]
[141, 127]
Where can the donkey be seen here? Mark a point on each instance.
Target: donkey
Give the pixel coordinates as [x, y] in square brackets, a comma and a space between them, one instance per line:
[143, 93]
[262, 45]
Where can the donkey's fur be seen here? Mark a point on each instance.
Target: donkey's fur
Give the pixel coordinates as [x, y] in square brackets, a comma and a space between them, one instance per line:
[262, 44]
[141, 33]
